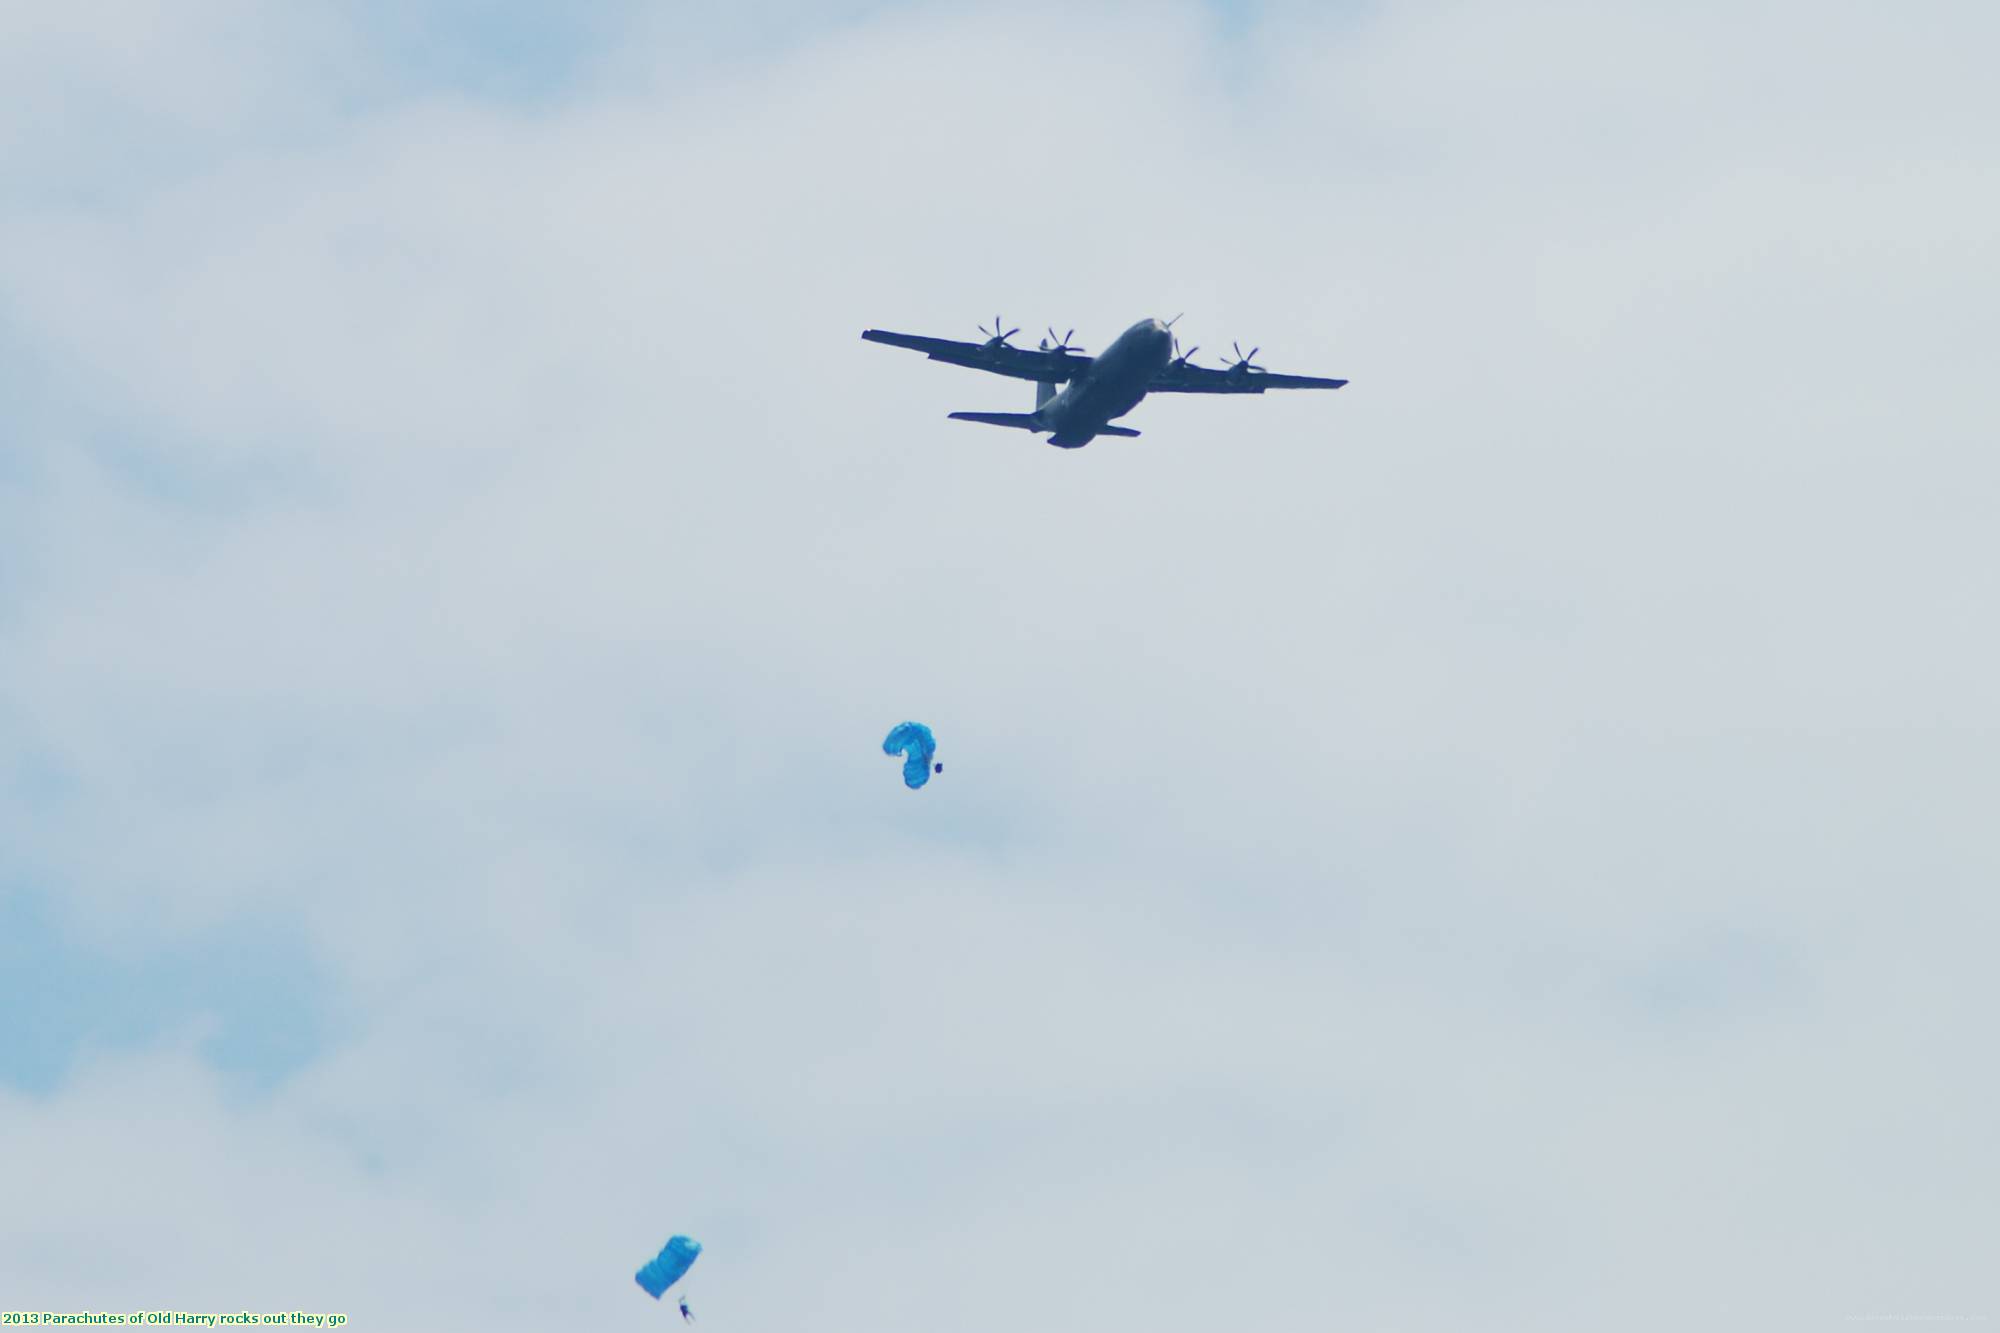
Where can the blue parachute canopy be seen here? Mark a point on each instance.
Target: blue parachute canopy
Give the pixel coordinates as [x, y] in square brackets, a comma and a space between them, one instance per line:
[912, 740]
[665, 1268]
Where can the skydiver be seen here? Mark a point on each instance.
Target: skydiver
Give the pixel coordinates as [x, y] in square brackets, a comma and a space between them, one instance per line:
[686, 1313]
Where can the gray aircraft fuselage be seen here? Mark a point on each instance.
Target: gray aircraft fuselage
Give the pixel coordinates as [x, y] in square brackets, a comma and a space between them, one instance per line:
[1113, 385]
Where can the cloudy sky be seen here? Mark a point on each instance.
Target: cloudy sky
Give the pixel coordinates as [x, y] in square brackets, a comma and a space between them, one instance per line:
[1506, 845]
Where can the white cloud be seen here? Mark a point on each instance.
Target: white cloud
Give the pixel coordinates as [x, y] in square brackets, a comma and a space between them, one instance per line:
[1501, 842]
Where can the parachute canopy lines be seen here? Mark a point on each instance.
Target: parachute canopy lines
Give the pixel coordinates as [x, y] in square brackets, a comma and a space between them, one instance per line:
[665, 1268]
[913, 740]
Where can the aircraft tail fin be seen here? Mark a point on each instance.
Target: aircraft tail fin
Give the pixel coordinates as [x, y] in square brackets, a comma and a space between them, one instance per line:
[1044, 391]
[1018, 420]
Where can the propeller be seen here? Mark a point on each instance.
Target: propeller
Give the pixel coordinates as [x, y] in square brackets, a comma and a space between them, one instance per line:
[995, 338]
[1060, 346]
[1181, 358]
[1242, 363]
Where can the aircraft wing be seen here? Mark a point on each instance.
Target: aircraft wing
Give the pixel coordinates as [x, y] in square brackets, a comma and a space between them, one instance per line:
[1180, 377]
[1019, 362]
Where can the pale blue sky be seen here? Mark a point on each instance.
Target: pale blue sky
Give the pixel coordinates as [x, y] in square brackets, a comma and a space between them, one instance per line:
[252, 994]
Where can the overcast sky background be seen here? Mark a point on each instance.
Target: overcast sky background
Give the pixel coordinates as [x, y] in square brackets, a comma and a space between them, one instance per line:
[1507, 845]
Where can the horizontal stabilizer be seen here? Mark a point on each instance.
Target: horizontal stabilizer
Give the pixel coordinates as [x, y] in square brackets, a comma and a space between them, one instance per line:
[1018, 420]
[1126, 431]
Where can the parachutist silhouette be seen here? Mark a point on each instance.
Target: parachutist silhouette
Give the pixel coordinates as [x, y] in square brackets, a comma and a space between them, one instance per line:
[686, 1313]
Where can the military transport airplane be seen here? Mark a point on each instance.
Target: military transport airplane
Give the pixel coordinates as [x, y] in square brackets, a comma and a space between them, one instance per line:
[1145, 359]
